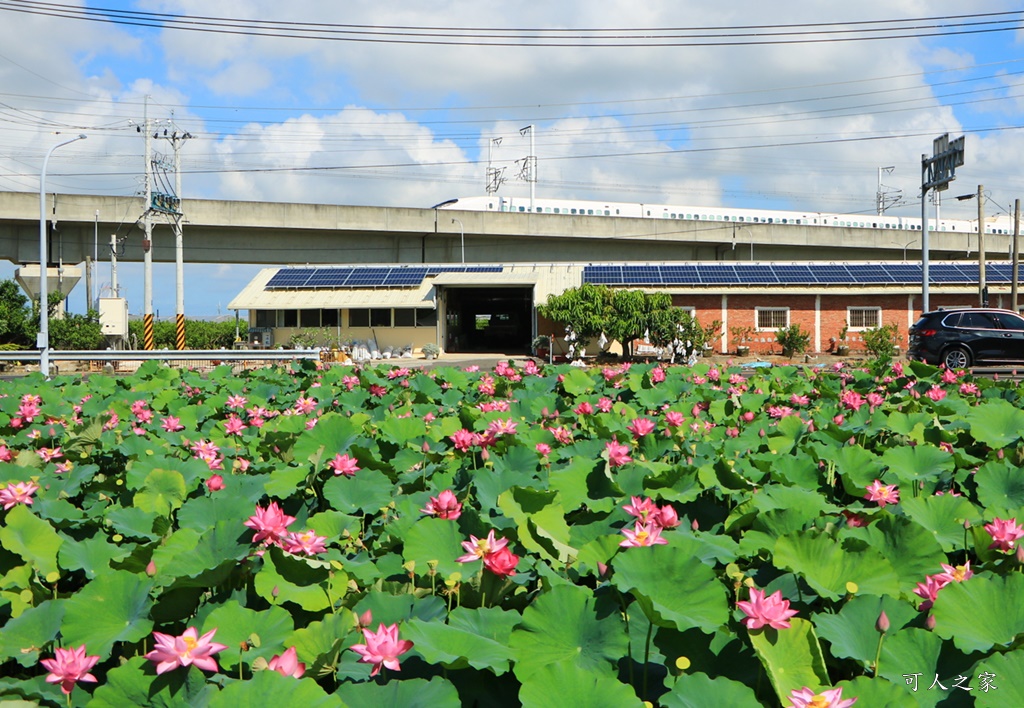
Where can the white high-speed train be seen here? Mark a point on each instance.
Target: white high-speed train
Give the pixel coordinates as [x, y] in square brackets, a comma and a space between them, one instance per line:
[1001, 224]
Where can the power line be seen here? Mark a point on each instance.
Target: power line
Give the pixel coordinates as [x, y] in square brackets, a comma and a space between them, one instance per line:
[737, 35]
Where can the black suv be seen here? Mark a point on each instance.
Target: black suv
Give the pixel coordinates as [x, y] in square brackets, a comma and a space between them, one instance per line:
[965, 336]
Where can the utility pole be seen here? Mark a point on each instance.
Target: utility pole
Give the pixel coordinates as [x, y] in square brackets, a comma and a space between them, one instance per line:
[173, 207]
[147, 241]
[113, 266]
[1016, 254]
[982, 285]
[529, 170]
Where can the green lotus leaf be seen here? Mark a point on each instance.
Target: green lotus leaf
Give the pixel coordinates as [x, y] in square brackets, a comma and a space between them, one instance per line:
[333, 434]
[550, 685]
[31, 538]
[1000, 486]
[578, 382]
[996, 424]
[188, 553]
[674, 588]
[851, 631]
[23, 637]
[285, 578]
[162, 492]
[134, 523]
[457, 648]
[403, 431]
[700, 690]
[856, 467]
[368, 491]
[316, 643]
[791, 657]
[998, 680]
[269, 688]
[982, 612]
[135, 684]
[911, 549]
[563, 625]
[918, 463]
[541, 522]
[943, 516]
[437, 692]
[910, 646]
[112, 608]
[235, 624]
[828, 565]
[879, 692]
[431, 540]
[91, 555]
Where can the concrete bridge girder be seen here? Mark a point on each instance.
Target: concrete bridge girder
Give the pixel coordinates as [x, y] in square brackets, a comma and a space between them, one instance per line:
[271, 233]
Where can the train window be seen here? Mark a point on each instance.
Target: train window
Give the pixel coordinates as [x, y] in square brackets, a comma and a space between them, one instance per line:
[572, 211]
[617, 212]
[590, 212]
[770, 220]
[522, 209]
[557, 210]
[607, 212]
[490, 205]
[785, 221]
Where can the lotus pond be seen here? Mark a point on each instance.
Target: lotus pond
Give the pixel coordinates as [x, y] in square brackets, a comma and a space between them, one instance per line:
[540, 537]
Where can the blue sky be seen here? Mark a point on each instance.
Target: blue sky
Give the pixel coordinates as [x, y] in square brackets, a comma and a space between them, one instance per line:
[795, 124]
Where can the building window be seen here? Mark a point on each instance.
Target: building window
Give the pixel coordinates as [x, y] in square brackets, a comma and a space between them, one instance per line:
[359, 317]
[861, 318]
[266, 318]
[289, 318]
[426, 317]
[772, 318]
[380, 317]
[309, 318]
[405, 317]
[329, 318]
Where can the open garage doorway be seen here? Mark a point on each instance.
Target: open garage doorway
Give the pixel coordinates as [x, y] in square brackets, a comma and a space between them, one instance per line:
[491, 319]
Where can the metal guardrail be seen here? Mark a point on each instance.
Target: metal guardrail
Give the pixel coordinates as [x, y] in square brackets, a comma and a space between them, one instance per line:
[128, 359]
[163, 354]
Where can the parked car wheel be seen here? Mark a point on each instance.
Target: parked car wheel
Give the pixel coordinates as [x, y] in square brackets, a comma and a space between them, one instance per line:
[957, 358]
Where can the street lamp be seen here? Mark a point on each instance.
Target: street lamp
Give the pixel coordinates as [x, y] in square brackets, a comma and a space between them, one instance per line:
[904, 246]
[462, 239]
[43, 338]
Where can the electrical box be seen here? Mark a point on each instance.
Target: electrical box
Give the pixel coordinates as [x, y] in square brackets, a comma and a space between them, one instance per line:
[261, 337]
[114, 316]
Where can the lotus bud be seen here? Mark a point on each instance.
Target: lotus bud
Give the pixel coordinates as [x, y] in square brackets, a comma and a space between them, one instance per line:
[929, 622]
[882, 624]
[151, 569]
[694, 525]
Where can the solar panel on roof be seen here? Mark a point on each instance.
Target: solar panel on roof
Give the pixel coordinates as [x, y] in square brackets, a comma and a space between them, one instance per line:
[1000, 271]
[641, 275]
[679, 275]
[949, 273]
[868, 273]
[793, 274]
[905, 273]
[290, 278]
[831, 273]
[720, 273]
[328, 278]
[755, 274]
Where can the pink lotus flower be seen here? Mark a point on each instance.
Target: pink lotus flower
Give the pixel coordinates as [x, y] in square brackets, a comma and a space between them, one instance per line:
[674, 419]
[236, 402]
[640, 427]
[305, 405]
[1004, 533]
[444, 506]
[215, 483]
[969, 389]
[657, 374]
[642, 535]
[343, 464]
[171, 652]
[501, 562]
[478, 548]
[382, 648]
[851, 400]
[882, 494]
[618, 454]
[287, 664]
[305, 543]
[501, 427]
[270, 524]
[584, 408]
[760, 610]
[642, 508]
[172, 424]
[543, 448]
[955, 574]
[936, 393]
[929, 590]
[49, 454]
[666, 518]
[604, 404]
[807, 698]
[68, 667]
[18, 493]
[462, 439]
[234, 425]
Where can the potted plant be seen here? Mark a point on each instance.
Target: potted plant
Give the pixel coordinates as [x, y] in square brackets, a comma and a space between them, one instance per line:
[541, 345]
[430, 350]
[742, 335]
[842, 347]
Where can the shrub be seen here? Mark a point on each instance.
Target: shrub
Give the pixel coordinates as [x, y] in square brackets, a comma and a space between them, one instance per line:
[793, 340]
[881, 341]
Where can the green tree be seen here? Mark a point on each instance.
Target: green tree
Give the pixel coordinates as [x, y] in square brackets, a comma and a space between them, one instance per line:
[76, 331]
[17, 325]
[585, 309]
[199, 334]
